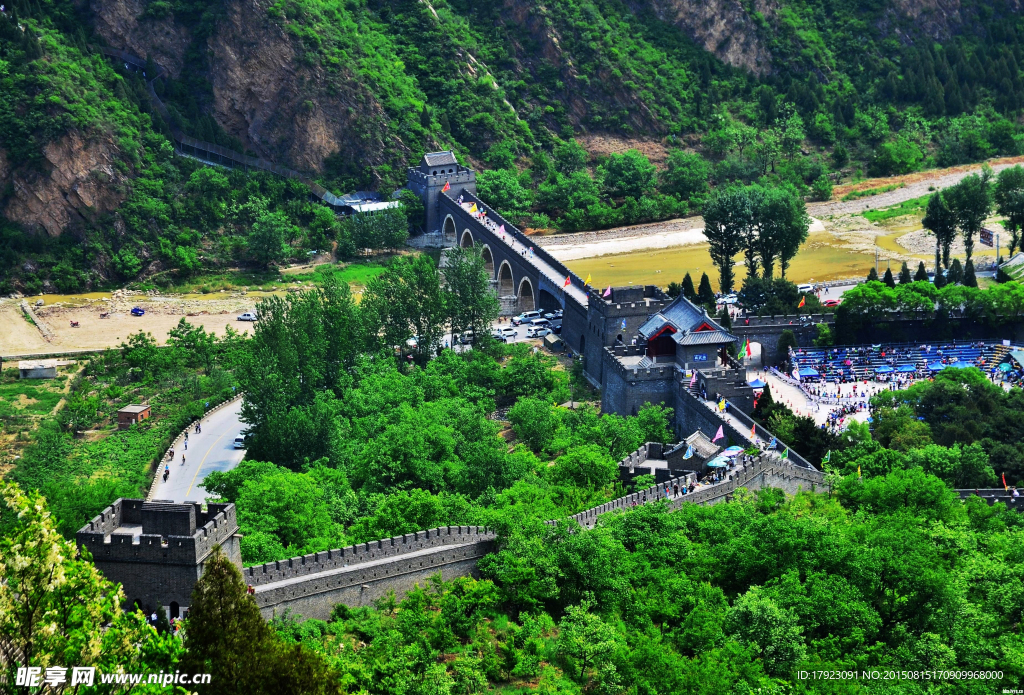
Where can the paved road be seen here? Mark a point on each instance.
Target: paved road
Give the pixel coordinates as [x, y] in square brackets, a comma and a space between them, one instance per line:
[211, 450]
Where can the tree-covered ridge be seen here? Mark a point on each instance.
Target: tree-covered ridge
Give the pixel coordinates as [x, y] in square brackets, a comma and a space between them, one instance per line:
[728, 598]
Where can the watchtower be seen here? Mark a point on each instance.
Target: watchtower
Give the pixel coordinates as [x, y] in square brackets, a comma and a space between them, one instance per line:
[437, 169]
[615, 319]
[157, 549]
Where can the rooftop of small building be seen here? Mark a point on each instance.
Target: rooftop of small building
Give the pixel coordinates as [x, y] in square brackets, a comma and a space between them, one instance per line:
[134, 408]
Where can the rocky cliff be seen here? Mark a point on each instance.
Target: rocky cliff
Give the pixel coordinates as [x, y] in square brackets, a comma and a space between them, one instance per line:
[79, 180]
[264, 94]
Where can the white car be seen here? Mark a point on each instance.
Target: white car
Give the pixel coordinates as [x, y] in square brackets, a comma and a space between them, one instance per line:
[537, 331]
[507, 334]
[729, 299]
[239, 442]
[413, 342]
[805, 287]
[247, 316]
[525, 317]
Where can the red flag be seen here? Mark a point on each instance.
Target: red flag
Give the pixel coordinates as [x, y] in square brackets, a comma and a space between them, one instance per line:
[802, 302]
[566, 281]
[1005, 486]
[447, 187]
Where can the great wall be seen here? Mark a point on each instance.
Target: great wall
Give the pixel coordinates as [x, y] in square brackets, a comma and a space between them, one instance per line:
[157, 549]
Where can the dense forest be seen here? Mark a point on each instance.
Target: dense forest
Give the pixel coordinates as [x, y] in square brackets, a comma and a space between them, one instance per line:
[806, 95]
[352, 440]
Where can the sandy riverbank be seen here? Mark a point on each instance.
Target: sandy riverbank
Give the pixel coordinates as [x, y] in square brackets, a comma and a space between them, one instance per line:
[18, 336]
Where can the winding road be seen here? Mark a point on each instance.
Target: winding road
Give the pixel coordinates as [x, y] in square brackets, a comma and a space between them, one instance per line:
[213, 449]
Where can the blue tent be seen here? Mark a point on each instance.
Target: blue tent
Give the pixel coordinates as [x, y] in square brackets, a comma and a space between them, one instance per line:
[906, 368]
[884, 369]
[807, 371]
[960, 364]
[732, 451]
[1005, 367]
[936, 366]
[757, 384]
[718, 462]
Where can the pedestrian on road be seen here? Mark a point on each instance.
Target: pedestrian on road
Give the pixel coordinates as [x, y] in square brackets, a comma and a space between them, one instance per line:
[186, 445]
[183, 459]
[172, 454]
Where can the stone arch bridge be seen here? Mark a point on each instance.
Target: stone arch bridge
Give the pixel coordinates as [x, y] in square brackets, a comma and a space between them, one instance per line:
[524, 274]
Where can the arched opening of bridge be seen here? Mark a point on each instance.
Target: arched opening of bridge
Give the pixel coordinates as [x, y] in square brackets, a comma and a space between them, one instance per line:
[175, 610]
[449, 229]
[506, 286]
[547, 301]
[488, 260]
[467, 239]
[526, 299]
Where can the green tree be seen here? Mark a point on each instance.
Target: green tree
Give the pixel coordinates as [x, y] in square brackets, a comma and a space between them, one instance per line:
[415, 212]
[726, 223]
[888, 279]
[787, 341]
[873, 275]
[629, 174]
[687, 288]
[406, 300]
[1008, 195]
[705, 295]
[194, 344]
[503, 190]
[821, 188]
[970, 279]
[955, 276]
[56, 608]
[469, 300]
[905, 274]
[941, 221]
[584, 640]
[824, 337]
[757, 620]
[922, 274]
[586, 466]
[784, 224]
[686, 176]
[228, 638]
[570, 157]
[267, 238]
[970, 201]
[901, 156]
[533, 422]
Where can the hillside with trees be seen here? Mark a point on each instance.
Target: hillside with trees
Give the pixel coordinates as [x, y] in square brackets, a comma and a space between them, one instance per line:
[545, 101]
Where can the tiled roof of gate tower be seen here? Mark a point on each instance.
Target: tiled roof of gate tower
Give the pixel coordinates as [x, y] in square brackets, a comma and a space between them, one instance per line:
[690, 325]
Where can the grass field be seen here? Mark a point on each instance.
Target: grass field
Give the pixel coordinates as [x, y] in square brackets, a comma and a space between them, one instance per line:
[914, 206]
[819, 259]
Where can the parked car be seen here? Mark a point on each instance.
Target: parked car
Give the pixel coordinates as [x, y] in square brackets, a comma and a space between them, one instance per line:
[558, 314]
[239, 442]
[556, 327]
[138, 311]
[413, 342]
[467, 337]
[537, 323]
[831, 302]
[247, 316]
[550, 316]
[805, 287]
[728, 299]
[525, 317]
[507, 333]
[537, 331]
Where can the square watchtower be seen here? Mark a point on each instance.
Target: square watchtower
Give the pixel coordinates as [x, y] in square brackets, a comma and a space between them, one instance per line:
[157, 550]
[429, 178]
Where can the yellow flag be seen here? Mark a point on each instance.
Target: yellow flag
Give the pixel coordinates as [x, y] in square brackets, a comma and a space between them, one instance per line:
[858, 471]
[472, 208]
[587, 281]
